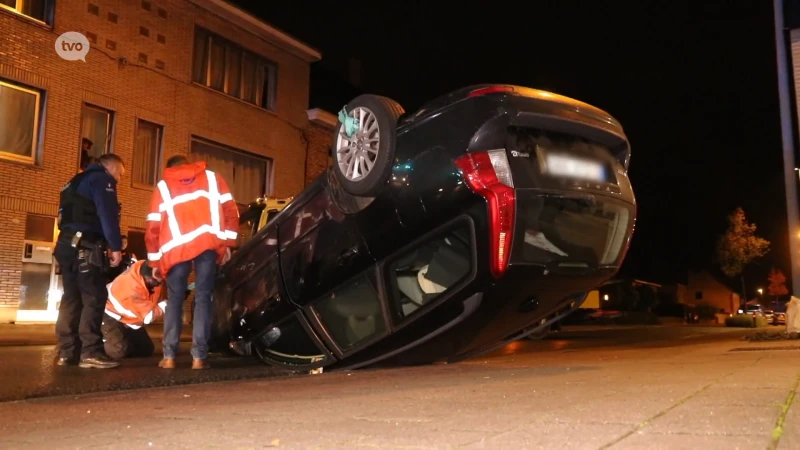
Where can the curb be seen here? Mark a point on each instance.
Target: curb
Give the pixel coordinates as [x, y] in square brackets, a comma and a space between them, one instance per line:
[31, 343]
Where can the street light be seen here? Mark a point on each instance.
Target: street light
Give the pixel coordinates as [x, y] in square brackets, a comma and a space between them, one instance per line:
[760, 291]
[787, 137]
[605, 297]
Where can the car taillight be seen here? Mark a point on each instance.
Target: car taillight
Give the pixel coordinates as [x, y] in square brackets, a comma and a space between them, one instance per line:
[488, 174]
[491, 90]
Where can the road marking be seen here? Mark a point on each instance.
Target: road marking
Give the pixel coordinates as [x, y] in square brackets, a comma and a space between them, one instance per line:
[777, 432]
[665, 411]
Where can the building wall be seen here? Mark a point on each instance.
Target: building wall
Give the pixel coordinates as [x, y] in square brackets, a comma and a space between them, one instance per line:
[135, 90]
[320, 135]
[713, 293]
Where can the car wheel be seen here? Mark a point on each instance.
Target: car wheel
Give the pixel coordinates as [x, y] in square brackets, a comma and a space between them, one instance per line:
[362, 161]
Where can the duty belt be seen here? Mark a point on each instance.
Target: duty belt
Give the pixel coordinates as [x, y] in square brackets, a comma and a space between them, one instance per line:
[79, 239]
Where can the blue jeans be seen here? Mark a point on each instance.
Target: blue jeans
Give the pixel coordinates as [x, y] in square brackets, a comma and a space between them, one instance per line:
[205, 266]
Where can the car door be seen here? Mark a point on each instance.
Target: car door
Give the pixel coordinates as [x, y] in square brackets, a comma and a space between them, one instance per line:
[261, 310]
[330, 274]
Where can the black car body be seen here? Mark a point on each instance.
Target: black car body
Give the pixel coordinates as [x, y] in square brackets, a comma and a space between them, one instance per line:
[503, 206]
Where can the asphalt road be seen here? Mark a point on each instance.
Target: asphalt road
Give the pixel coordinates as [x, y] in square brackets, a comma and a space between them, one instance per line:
[28, 372]
[650, 388]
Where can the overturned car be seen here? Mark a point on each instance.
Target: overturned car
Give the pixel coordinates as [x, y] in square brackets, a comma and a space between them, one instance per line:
[483, 217]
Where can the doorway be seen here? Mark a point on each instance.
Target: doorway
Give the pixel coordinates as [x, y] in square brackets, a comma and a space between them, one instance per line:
[40, 285]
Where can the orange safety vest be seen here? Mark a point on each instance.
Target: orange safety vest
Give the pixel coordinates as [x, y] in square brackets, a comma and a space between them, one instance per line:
[192, 210]
[130, 302]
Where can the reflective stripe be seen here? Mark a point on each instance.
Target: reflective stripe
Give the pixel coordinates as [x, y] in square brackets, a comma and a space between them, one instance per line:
[163, 305]
[148, 318]
[166, 200]
[117, 304]
[154, 217]
[213, 189]
[168, 206]
[117, 317]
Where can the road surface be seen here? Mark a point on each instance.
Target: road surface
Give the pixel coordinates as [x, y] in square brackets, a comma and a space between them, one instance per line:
[636, 388]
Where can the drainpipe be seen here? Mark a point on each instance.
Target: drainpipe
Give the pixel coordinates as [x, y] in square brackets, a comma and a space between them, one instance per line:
[789, 177]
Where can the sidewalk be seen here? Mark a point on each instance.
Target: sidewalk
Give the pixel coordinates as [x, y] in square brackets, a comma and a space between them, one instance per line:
[15, 335]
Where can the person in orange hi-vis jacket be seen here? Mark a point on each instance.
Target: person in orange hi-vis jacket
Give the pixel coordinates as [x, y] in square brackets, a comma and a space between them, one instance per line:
[193, 220]
[133, 302]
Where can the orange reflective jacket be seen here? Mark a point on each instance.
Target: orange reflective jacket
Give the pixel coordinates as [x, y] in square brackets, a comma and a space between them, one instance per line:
[192, 211]
[130, 302]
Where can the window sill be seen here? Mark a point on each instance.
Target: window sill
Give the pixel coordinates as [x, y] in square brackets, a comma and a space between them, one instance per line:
[234, 99]
[31, 20]
[142, 186]
[26, 164]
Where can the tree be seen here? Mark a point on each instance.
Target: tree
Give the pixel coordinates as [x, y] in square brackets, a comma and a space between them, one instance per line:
[777, 284]
[739, 247]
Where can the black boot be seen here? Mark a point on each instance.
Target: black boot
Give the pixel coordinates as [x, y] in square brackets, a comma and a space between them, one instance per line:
[64, 361]
[98, 362]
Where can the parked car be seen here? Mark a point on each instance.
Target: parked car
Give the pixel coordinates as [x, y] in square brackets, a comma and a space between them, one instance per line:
[779, 318]
[436, 235]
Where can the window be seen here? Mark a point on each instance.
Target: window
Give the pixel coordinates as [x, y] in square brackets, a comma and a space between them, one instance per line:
[698, 295]
[146, 153]
[420, 275]
[226, 67]
[96, 126]
[19, 122]
[246, 175]
[40, 10]
[353, 313]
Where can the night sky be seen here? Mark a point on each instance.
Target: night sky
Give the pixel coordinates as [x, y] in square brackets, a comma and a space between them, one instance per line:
[694, 87]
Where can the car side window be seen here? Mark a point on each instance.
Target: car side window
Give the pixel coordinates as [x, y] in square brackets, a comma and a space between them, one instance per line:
[429, 269]
[353, 313]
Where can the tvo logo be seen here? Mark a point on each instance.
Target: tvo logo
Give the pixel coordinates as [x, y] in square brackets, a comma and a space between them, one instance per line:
[72, 46]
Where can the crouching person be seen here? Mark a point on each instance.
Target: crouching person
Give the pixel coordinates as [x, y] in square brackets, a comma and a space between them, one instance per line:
[132, 303]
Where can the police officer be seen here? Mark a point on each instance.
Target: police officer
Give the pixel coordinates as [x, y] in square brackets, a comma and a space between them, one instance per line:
[88, 223]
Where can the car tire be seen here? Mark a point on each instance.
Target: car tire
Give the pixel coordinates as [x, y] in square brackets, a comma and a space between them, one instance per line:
[386, 113]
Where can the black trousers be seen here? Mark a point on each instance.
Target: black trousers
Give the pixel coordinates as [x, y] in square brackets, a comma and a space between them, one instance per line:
[122, 341]
[82, 307]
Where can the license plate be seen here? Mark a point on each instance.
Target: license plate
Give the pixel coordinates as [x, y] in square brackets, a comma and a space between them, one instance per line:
[571, 167]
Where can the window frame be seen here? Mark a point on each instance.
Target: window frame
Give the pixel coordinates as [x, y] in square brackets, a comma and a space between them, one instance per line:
[269, 173]
[265, 101]
[49, 12]
[35, 153]
[159, 153]
[393, 295]
[372, 277]
[110, 129]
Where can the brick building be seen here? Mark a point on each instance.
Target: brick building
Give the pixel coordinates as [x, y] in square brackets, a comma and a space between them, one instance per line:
[163, 77]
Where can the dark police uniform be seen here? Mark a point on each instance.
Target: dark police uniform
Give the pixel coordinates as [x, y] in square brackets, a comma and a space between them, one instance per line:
[89, 226]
